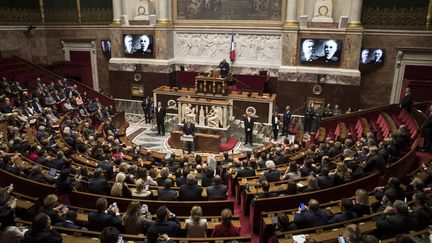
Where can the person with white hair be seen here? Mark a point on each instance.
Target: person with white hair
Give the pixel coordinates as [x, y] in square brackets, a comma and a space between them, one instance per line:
[271, 174]
[330, 49]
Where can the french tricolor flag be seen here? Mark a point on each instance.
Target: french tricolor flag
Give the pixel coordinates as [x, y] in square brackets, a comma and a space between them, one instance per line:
[232, 49]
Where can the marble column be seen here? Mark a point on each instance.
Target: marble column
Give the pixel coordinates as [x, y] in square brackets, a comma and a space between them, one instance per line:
[164, 16]
[355, 14]
[291, 14]
[116, 11]
[225, 117]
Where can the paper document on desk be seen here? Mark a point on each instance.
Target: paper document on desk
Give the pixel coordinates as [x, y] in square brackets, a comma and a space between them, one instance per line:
[299, 238]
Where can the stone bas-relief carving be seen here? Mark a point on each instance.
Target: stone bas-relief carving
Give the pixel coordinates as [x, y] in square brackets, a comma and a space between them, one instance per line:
[249, 48]
[229, 9]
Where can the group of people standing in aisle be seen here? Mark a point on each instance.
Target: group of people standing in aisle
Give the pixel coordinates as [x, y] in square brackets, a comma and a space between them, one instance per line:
[313, 116]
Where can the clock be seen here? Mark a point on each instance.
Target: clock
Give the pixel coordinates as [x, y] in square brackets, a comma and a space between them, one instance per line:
[323, 10]
[317, 89]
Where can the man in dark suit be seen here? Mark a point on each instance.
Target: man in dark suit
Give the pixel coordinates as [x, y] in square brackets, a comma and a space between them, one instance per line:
[346, 212]
[427, 132]
[166, 193]
[105, 165]
[224, 68]
[271, 174]
[248, 124]
[166, 222]
[245, 170]
[105, 216]
[189, 129]
[394, 220]
[312, 216]
[98, 184]
[266, 191]
[324, 180]
[217, 191]
[330, 52]
[275, 125]
[308, 117]
[190, 191]
[286, 120]
[160, 119]
[407, 101]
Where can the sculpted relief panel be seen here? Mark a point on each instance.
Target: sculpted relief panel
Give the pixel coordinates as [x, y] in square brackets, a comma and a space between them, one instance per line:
[229, 9]
[214, 47]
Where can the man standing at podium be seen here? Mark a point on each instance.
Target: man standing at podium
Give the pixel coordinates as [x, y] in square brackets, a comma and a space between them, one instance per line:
[160, 119]
[248, 124]
[224, 68]
[189, 129]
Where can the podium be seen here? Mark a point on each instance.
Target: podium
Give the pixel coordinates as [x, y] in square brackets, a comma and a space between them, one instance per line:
[202, 142]
[212, 84]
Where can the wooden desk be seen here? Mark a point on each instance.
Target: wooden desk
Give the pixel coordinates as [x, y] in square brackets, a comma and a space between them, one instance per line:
[202, 142]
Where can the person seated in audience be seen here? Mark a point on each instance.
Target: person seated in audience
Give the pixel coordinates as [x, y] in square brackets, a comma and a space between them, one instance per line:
[271, 174]
[104, 216]
[110, 235]
[8, 230]
[181, 176]
[70, 221]
[245, 170]
[6, 107]
[312, 182]
[292, 187]
[311, 216]
[327, 163]
[346, 213]
[190, 191]
[166, 193]
[374, 161]
[422, 210]
[36, 174]
[307, 168]
[217, 191]
[207, 177]
[37, 107]
[226, 228]
[352, 234]
[120, 188]
[142, 174]
[98, 184]
[324, 179]
[265, 185]
[139, 190]
[53, 209]
[395, 219]
[163, 175]
[357, 172]
[106, 166]
[153, 236]
[166, 222]
[196, 226]
[41, 231]
[342, 174]
[137, 219]
[284, 224]
[361, 203]
[292, 172]
[396, 192]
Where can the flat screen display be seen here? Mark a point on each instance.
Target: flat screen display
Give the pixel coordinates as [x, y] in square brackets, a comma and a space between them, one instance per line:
[320, 50]
[106, 46]
[372, 56]
[138, 45]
